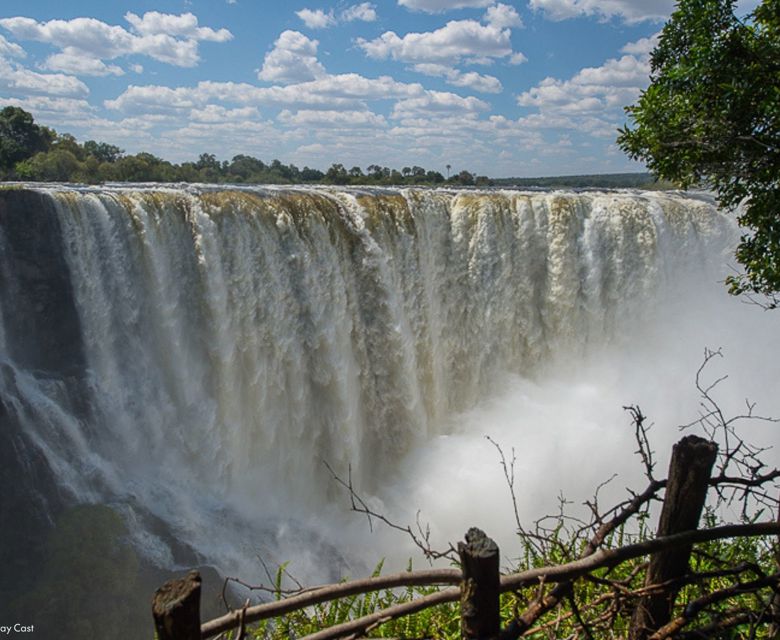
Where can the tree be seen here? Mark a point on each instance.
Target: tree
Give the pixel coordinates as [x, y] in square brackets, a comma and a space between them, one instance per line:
[57, 165]
[337, 174]
[711, 116]
[102, 151]
[20, 137]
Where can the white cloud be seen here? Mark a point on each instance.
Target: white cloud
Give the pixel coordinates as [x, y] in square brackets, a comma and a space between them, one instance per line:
[457, 40]
[517, 58]
[440, 6]
[316, 19]
[88, 35]
[437, 102]
[22, 81]
[293, 59]
[319, 19]
[184, 26]
[11, 49]
[137, 68]
[643, 46]
[628, 10]
[52, 110]
[502, 16]
[364, 12]
[168, 38]
[345, 91]
[471, 80]
[592, 100]
[73, 61]
[214, 113]
[331, 118]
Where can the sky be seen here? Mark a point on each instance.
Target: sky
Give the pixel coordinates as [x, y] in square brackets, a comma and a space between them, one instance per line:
[502, 88]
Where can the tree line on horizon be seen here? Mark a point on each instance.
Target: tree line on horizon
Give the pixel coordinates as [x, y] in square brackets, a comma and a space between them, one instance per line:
[32, 152]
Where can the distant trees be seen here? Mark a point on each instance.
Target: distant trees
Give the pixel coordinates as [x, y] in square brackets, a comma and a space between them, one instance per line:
[31, 152]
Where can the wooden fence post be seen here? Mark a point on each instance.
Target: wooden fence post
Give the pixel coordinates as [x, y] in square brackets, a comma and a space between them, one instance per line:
[480, 587]
[686, 492]
[774, 629]
[176, 608]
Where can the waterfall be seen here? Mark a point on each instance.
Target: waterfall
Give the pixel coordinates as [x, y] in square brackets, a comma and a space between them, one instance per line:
[193, 351]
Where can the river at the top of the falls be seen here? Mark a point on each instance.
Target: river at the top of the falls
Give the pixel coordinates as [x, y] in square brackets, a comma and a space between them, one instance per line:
[226, 342]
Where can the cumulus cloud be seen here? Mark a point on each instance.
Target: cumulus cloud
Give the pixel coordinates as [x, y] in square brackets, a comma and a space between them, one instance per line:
[502, 16]
[627, 10]
[343, 91]
[517, 58]
[437, 102]
[331, 118]
[293, 59]
[440, 6]
[319, 19]
[52, 109]
[456, 41]
[316, 19]
[11, 49]
[214, 113]
[183, 26]
[592, 100]
[643, 46]
[471, 80]
[25, 82]
[364, 12]
[172, 39]
[70, 60]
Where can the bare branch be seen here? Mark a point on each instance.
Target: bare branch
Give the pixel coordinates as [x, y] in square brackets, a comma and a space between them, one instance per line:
[421, 537]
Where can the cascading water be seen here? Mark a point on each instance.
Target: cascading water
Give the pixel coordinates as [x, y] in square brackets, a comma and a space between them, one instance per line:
[196, 353]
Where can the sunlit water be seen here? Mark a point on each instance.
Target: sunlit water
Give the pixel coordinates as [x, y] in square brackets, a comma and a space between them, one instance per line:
[237, 339]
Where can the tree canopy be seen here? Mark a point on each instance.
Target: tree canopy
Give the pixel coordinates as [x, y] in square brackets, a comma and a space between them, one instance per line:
[32, 152]
[711, 116]
[20, 137]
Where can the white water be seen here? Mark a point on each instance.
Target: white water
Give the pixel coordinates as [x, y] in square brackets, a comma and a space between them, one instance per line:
[237, 339]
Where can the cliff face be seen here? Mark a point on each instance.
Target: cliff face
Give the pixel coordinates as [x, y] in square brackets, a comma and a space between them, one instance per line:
[38, 311]
[40, 334]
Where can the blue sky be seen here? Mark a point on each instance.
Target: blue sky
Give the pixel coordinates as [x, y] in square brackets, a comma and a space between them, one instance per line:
[498, 87]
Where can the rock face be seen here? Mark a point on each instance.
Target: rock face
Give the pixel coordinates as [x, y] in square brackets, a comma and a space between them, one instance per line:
[42, 328]
[41, 335]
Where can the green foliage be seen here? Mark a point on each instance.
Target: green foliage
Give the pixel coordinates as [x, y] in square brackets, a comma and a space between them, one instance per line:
[602, 181]
[20, 137]
[711, 116]
[439, 622]
[102, 151]
[34, 153]
[57, 165]
[603, 601]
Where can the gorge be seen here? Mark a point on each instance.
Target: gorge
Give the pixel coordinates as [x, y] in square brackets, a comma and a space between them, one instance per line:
[191, 355]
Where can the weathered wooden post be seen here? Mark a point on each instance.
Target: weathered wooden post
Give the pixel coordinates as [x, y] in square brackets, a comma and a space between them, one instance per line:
[480, 587]
[176, 608]
[774, 630]
[686, 492]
